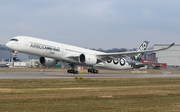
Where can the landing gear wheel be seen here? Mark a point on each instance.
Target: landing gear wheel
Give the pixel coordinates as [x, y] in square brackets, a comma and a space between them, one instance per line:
[93, 71]
[15, 58]
[72, 71]
[89, 70]
[97, 71]
[76, 72]
[68, 71]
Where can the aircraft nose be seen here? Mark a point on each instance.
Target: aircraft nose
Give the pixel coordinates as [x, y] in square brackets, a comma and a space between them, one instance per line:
[8, 44]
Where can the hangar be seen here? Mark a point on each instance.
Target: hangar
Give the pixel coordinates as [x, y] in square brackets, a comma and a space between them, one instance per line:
[170, 56]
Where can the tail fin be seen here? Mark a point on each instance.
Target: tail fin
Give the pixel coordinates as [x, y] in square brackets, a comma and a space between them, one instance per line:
[142, 47]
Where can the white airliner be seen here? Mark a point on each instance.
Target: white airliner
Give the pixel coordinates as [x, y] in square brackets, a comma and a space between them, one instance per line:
[51, 52]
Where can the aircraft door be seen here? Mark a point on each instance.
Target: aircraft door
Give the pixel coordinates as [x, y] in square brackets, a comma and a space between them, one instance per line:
[26, 42]
[62, 49]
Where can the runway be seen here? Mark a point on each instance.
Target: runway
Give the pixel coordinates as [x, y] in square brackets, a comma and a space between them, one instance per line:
[52, 75]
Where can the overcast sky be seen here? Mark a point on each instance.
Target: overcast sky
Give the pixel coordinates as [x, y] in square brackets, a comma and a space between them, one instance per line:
[102, 24]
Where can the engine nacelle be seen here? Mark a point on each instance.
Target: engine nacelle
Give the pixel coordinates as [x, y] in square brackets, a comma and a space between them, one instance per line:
[87, 59]
[47, 61]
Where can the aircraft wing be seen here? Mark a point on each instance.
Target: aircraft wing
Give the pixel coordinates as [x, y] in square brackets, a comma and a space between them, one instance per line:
[108, 56]
[73, 56]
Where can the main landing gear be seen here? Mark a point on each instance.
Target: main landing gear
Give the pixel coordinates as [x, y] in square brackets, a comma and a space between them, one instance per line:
[72, 71]
[93, 71]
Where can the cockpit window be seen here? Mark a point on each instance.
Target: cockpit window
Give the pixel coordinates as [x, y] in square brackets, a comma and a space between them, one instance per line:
[14, 40]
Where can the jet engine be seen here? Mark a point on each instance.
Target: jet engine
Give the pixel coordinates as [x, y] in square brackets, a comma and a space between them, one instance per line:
[87, 59]
[47, 61]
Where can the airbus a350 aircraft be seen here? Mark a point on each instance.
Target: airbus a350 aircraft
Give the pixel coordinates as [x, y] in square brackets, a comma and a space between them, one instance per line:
[51, 52]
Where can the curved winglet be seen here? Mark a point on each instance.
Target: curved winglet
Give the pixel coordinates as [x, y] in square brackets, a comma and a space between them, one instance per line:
[168, 47]
[171, 44]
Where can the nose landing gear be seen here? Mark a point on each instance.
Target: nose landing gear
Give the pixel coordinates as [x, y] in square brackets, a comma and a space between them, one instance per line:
[15, 53]
[15, 58]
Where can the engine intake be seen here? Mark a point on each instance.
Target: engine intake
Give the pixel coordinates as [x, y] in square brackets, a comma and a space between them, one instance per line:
[87, 59]
[47, 61]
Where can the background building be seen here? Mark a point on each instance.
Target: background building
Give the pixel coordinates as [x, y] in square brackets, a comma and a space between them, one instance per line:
[4, 53]
[170, 56]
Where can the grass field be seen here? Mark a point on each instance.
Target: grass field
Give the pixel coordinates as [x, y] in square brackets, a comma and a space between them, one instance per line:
[126, 95]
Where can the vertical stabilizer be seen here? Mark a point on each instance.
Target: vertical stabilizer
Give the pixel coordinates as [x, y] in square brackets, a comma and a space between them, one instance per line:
[142, 47]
